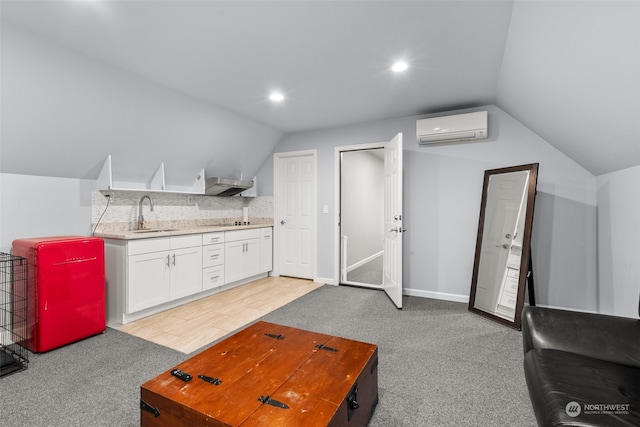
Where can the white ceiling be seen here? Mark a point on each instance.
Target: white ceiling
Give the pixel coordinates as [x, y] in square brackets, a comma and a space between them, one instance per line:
[568, 70]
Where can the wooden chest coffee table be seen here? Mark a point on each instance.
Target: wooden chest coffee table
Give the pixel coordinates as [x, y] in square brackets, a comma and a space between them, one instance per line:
[268, 375]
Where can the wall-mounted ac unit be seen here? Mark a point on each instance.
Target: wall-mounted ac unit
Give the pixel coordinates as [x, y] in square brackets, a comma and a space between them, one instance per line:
[456, 128]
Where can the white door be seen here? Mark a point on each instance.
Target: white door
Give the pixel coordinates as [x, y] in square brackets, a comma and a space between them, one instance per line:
[296, 216]
[392, 257]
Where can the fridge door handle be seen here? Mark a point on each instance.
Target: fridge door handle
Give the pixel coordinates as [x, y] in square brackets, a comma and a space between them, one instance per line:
[76, 261]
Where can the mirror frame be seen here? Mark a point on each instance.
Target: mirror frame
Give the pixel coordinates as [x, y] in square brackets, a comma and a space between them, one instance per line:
[526, 244]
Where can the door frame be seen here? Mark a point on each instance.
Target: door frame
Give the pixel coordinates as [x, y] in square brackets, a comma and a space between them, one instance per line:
[277, 206]
[336, 203]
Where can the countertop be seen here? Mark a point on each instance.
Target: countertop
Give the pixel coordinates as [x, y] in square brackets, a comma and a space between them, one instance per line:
[178, 231]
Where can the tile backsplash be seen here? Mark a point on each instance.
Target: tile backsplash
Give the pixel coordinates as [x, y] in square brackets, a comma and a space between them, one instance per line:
[174, 209]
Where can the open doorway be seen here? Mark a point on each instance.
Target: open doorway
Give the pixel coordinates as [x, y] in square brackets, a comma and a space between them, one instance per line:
[391, 226]
[362, 217]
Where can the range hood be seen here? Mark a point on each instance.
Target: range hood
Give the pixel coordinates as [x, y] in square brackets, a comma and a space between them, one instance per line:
[225, 187]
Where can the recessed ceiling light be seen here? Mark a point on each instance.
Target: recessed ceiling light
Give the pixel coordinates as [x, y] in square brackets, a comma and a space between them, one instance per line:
[399, 66]
[276, 96]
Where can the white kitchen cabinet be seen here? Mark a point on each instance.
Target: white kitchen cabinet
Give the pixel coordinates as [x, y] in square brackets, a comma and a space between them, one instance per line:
[242, 254]
[266, 250]
[149, 275]
[148, 280]
[212, 260]
[162, 269]
[186, 272]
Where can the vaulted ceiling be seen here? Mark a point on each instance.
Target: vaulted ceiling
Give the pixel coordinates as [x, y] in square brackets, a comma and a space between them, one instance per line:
[568, 70]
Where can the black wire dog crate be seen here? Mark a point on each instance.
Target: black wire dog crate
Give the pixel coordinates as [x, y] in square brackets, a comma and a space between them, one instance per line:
[14, 355]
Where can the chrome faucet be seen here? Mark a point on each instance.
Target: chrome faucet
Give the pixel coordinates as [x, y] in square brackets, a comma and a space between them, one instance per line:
[140, 217]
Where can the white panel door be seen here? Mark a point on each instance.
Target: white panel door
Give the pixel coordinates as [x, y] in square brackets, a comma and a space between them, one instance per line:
[392, 257]
[296, 222]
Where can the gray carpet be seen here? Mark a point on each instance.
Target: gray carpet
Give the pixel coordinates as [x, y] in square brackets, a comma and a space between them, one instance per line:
[439, 366]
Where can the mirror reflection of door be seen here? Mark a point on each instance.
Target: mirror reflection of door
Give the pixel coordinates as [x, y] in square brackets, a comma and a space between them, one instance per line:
[502, 270]
[362, 217]
[504, 224]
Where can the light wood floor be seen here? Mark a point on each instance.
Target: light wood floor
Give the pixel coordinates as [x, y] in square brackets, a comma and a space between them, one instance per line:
[194, 325]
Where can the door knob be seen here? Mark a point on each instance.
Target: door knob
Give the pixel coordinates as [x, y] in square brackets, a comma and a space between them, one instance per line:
[398, 230]
[282, 222]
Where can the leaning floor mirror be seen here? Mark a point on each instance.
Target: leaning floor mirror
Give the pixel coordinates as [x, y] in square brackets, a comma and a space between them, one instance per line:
[502, 265]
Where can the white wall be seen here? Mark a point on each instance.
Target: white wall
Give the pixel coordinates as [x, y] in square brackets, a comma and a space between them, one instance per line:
[35, 206]
[443, 186]
[618, 242]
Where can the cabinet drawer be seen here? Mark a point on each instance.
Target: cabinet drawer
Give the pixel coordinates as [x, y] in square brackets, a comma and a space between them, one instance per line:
[212, 255]
[144, 246]
[186, 241]
[233, 236]
[213, 238]
[212, 277]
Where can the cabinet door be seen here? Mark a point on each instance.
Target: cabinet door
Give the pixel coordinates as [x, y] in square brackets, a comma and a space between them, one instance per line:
[234, 261]
[251, 264]
[186, 272]
[266, 250]
[147, 280]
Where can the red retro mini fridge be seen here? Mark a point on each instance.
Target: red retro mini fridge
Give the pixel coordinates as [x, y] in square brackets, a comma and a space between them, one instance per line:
[66, 289]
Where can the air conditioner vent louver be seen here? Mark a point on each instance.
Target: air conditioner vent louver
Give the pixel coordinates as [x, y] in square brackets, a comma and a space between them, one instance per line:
[455, 128]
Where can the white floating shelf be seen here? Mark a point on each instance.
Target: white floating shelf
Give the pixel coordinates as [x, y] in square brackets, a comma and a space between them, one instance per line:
[155, 184]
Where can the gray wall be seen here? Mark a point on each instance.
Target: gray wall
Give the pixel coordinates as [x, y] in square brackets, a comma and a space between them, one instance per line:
[56, 100]
[36, 206]
[618, 242]
[63, 113]
[442, 192]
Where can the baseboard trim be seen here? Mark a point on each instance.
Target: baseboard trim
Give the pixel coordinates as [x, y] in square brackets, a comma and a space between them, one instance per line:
[436, 295]
[324, 281]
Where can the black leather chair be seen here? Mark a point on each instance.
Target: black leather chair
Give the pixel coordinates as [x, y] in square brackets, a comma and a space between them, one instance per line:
[582, 369]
